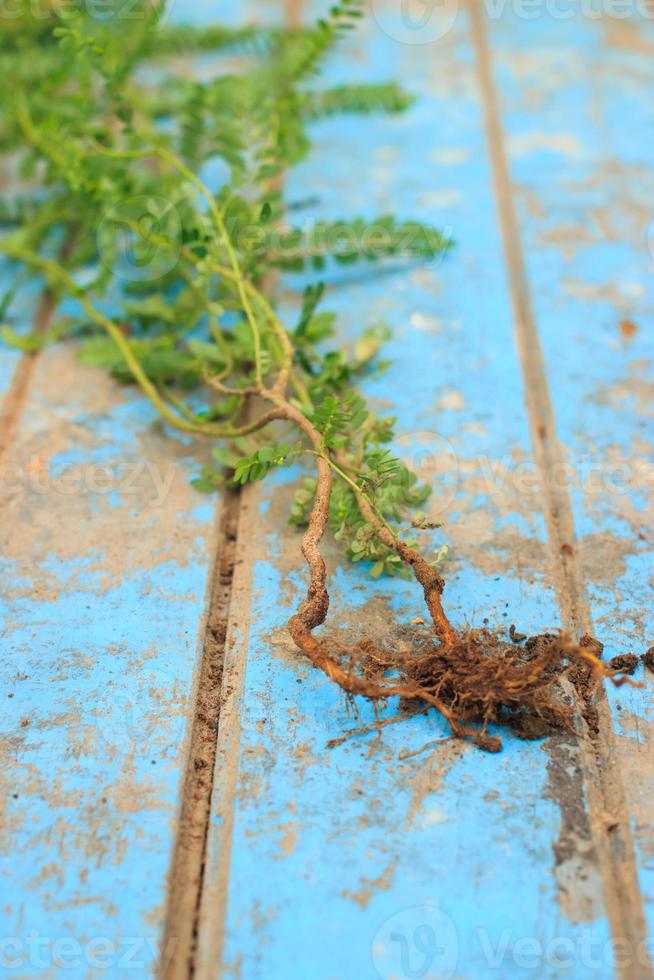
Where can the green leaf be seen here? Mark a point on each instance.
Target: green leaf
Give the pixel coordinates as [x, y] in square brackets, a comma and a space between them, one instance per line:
[205, 484]
[32, 342]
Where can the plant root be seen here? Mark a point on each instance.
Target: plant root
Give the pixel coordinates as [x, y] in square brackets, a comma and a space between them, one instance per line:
[375, 726]
[473, 678]
[478, 680]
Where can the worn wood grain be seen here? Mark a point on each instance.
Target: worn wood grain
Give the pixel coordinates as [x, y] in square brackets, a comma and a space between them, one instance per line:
[525, 357]
[355, 844]
[105, 557]
[107, 561]
[585, 194]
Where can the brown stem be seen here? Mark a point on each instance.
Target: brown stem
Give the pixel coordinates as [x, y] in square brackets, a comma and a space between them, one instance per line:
[431, 582]
[313, 610]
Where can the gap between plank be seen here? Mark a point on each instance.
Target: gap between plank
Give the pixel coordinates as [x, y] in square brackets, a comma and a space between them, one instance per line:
[206, 962]
[614, 847]
[213, 896]
[177, 956]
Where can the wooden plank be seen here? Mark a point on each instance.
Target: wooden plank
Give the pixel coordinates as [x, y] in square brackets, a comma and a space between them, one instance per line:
[580, 160]
[352, 844]
[615, 850]
[106, 551]
[325, 863]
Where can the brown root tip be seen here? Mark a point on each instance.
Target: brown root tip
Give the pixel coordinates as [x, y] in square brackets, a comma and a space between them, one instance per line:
[486, 742]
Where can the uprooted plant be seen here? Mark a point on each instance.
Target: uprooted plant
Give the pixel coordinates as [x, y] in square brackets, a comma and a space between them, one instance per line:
[154, 202]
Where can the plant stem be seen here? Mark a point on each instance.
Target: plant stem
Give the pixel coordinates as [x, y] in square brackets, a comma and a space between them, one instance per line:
[56, 274]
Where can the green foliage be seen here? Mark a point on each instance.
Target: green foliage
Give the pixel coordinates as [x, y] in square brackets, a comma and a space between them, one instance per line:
[170, 274]
[358, 99]
[338, 420]
[33, 342]
[262, 461]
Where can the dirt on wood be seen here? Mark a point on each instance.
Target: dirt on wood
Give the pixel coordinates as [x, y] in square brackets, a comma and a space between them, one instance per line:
[625, 663]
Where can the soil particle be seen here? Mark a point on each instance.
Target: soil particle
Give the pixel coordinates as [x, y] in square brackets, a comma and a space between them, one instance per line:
[147, 469]
[530, 728]
[592, 645]
[625, 663]
[515, 636]
[581, 676]
[627, 329]
[648, 659]
[626, 36]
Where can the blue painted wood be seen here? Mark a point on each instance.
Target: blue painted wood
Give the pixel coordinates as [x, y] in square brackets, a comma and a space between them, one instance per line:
[106, 552]
[582, 170]
[351, 861]
[105, 555]
[339, 863]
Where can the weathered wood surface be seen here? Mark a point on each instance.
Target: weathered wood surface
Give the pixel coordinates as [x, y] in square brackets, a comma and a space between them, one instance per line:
[105, 557]
[584, 188]
[528, 348]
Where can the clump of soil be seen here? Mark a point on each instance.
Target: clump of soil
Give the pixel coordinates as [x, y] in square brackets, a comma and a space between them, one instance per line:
[625, 663]
[628, 329]
[648, 659]
[480, 679]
